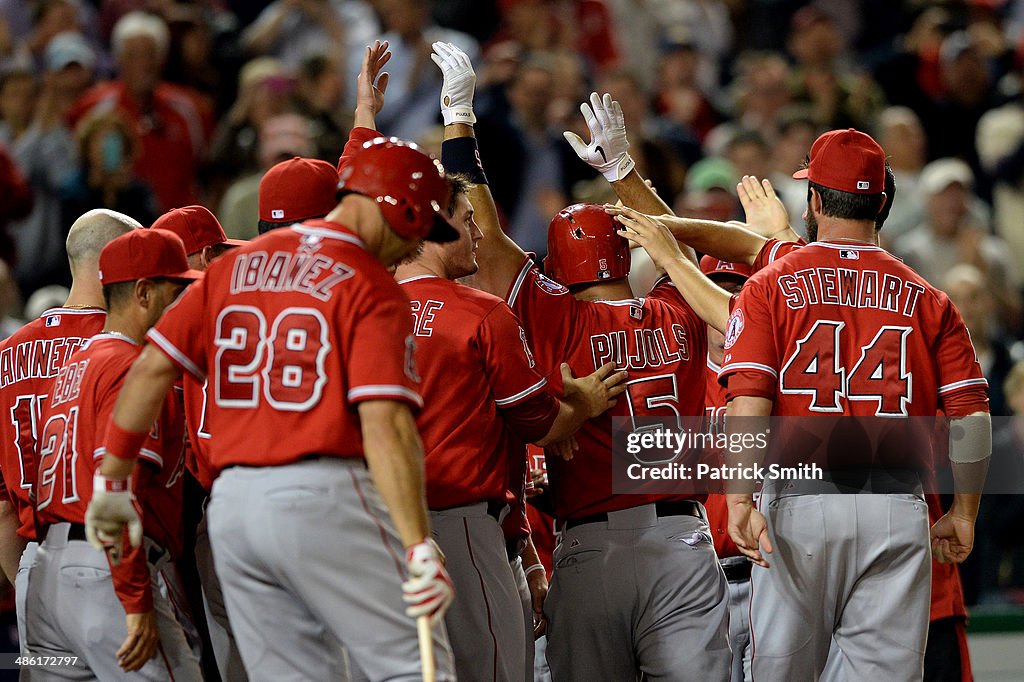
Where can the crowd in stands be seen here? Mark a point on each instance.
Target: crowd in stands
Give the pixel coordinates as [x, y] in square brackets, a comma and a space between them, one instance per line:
[146, 105]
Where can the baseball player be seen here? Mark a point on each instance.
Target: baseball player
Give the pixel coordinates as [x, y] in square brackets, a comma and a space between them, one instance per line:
[894, 351]
[29, 360]
[628, 597]
[205, 241]
[112, 617]
[472, 351]
[308, 346]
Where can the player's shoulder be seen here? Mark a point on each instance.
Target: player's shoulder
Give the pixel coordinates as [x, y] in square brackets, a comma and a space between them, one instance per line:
[530, 281]
[60, 322]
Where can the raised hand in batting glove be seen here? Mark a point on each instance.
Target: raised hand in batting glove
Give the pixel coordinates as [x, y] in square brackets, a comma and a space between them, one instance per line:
[111, 509]
[429, 590]
[608, 147]
[458, 86]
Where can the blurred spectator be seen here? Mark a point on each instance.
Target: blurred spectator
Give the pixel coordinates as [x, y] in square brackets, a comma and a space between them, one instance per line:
[18, 91]
[44, 298]
[265, 89]
[953, 232]
[44, 153]
[760, 92]
[190, 57]
[33, 24]
[415, 80]
[294, 30]
[748, 153]
[710, 191]
[9, 300]
[15, 202]
[797, 132]
[968, 290]
[680, 97]
[901, 135]
[321, 92]
[839, 97]
[108, 150]
[281, 138]
[1000, 144]
[170, 128]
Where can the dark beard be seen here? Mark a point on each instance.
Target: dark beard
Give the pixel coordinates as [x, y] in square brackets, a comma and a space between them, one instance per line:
[812, 227]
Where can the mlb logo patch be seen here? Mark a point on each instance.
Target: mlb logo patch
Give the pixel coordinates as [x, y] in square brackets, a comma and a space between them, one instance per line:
[636, 312]
[863, 184]
[277, 214]
[849, 254]
[52, 320]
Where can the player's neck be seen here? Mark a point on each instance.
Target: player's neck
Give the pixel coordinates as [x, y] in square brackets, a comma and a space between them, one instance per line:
[84, 295]
[419, 268]
[127, 322]
[618, 290]
[835, 230]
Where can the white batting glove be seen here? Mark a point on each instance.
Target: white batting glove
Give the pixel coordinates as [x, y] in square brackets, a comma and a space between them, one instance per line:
[458, 86]
[111, 509]
[607, 151]
[429, 590]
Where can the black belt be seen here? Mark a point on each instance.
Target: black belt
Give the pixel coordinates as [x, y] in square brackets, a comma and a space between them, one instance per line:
[675, 508]
[737, 571]
[77, 532]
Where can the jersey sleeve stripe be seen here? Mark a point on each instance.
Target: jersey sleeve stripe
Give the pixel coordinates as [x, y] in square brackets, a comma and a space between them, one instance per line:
[741, 366]
[384, 391]
[512, 399]
[171, 351]
[513, 293]
[774, 251]
[99, 452]
[956, 385]
[154, 457]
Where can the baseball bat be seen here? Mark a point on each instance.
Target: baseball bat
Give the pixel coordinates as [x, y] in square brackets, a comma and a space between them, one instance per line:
[426, 649]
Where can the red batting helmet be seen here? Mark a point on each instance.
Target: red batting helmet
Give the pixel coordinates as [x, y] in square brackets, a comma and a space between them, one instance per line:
[583, 246]
[408, 185]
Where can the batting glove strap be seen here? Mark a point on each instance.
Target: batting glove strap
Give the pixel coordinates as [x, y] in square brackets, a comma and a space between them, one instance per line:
[111, 485]
[459, 83]
[429, 590]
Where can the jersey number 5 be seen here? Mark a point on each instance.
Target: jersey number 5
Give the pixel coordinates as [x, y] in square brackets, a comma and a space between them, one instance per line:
[879, 375]
[282, 361]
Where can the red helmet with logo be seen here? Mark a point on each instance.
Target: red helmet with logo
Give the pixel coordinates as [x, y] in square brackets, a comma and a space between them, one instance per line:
[583, 246]
[408, 185]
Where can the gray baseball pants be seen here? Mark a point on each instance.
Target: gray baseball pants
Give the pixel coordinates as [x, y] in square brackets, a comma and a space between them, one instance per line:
[308, 558]
[485, 622]
[847, 593]
[638, 594]
[74, 611]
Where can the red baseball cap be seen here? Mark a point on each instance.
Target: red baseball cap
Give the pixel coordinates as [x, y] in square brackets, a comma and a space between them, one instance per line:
[298, 189]
[145, 254]
[197, 228]
[712, 266]
[848, 161]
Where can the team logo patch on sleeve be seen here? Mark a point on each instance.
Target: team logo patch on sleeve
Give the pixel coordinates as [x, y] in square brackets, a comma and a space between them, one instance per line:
[734, 328]
[549, 285]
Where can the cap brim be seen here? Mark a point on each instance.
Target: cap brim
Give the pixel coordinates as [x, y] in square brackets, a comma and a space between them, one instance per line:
[442, 231]
[189, 274]
[234, 242]
[801, 174]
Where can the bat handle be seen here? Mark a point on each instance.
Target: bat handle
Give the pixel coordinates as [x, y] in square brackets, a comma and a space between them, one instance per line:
[426, 649]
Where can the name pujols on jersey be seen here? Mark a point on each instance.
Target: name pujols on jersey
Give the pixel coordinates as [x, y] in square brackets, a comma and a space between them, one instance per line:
[850, 288]
[643, 348]
[314, 274]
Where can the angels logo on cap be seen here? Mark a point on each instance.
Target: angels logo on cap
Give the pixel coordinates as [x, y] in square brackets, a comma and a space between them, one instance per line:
[734, 328]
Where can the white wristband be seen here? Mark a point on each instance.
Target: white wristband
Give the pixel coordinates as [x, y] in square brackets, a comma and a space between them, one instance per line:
[111, 485]
[620, 169]
[458, 114]
[533, 569]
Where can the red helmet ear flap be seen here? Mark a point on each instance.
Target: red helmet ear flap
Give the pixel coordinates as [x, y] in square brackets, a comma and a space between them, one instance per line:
[584, 246]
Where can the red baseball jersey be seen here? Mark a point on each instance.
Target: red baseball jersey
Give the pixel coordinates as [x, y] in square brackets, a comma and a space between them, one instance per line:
[718, 512]
[659, 340]
[478, 380]
[197, 456]
[848, 329]
[29, 360]
[73, 423]
[773, 250]
[292, 330]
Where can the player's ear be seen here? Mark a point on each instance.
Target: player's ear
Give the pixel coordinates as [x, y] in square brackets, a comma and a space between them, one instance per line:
[143, 291]
[881, 206]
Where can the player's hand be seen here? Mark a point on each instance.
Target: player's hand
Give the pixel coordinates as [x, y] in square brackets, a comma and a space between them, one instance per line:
[564, 449]
[459, 83]
[766, 214]
[648, 232]
[952, 538]
[538, 583]
[607, 151]
[141, 643]
[429, 590]
[372, 84]
[748, 528]
[597, 390]
[111, 509]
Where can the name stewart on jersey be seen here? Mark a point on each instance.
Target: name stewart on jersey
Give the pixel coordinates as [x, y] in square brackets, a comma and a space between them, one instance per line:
[645, 348]
[313, 274]
[850, 288]
[37, 359]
